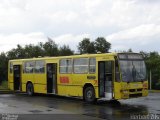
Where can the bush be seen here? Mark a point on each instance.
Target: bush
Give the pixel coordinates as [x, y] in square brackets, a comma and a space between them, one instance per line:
[4, 85]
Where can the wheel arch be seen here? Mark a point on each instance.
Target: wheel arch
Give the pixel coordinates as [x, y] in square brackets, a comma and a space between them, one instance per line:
[28, 83]
[87, 85]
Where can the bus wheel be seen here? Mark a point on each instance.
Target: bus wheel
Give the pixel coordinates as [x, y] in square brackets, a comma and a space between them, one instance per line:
[89, 95]
[30, 89]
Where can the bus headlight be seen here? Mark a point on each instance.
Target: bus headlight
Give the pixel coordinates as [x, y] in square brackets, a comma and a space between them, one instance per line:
[145, 85]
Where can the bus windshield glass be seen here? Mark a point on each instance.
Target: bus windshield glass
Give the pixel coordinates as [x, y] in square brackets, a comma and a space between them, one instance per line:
[133, 69]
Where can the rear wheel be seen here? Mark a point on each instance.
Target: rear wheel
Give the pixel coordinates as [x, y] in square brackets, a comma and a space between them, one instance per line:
[89, 95]
[30, 89]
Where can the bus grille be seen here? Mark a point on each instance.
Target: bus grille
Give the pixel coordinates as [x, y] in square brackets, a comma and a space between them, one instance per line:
[132, 90]
[136, 90]
[135, 95]
[139, 90]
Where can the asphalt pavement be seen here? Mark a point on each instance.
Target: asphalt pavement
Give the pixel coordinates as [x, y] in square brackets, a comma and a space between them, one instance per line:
[22, 107]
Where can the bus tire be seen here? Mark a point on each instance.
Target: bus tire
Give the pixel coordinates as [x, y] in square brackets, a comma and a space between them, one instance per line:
[89, 95]
[30, 89]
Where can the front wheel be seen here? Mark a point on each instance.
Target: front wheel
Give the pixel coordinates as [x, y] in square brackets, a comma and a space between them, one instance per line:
[30, 89]
[89, 95]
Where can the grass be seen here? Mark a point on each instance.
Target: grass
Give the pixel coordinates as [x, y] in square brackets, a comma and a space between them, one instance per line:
[4, 85]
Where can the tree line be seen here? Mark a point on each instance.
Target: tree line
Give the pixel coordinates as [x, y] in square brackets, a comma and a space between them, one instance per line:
[50, 48]
[152, 60]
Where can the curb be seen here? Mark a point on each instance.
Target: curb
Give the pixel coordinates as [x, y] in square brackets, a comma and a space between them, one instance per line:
[154, 91]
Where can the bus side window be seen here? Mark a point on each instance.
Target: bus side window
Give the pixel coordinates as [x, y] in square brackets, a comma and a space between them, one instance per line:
[92, 65]
[80, 65]
[39, 67]
[65, 65]
[29, 67]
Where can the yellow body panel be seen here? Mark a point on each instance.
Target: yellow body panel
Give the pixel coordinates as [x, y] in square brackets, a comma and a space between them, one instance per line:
[124, 90]
[75, 85]
[40, 83]
[117, 88]
[40, 88]
[10, 86]
[66, 90]
[28, 77]
[23, 87]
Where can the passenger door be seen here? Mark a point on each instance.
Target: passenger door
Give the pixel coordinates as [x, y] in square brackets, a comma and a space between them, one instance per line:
[52, 78]
[17, 77]
[105, 76]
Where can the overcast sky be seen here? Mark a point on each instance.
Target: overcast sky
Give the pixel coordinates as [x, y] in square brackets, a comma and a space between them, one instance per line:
[125, 24]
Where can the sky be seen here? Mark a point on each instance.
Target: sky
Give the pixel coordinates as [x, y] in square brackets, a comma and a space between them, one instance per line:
[125, 24]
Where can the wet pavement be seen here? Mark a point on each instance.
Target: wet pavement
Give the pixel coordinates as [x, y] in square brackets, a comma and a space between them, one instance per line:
[41, 107]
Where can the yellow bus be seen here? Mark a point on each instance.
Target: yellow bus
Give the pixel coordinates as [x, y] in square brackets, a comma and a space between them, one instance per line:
[108, 76]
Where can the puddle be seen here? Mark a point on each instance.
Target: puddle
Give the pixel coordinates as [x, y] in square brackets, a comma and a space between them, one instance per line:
[12, 106]
[35, 111]
[48, 110]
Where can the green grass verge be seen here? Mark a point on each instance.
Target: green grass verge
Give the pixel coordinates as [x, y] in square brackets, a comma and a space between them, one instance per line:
[4, 85]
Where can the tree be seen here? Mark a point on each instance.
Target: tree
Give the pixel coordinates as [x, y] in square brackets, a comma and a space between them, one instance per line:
[50, 48]
[11, 54]
[33, 51]
[130, 50]
[3, 67]
[65, 50]
[85, 46]
[16, 53]
[145, 55]
[92, 48]
[152, 61]
[20, 53]
[102, 45]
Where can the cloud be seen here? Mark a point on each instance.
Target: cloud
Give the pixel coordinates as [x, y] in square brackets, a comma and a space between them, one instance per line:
[70, 39]
[142, 37]
[7, 42]
[124, 22]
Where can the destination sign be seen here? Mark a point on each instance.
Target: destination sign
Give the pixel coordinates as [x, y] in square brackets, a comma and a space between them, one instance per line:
[130, 56]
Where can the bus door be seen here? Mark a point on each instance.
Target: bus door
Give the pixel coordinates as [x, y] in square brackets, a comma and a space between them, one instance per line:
[52, 78]
[17, 77]
[105, 76]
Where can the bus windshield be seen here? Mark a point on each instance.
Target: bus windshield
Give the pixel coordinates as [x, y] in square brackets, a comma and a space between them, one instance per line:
[133, 70]
[132, 67]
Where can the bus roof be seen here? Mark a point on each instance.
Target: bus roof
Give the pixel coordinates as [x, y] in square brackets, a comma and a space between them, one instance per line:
[71, 56]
